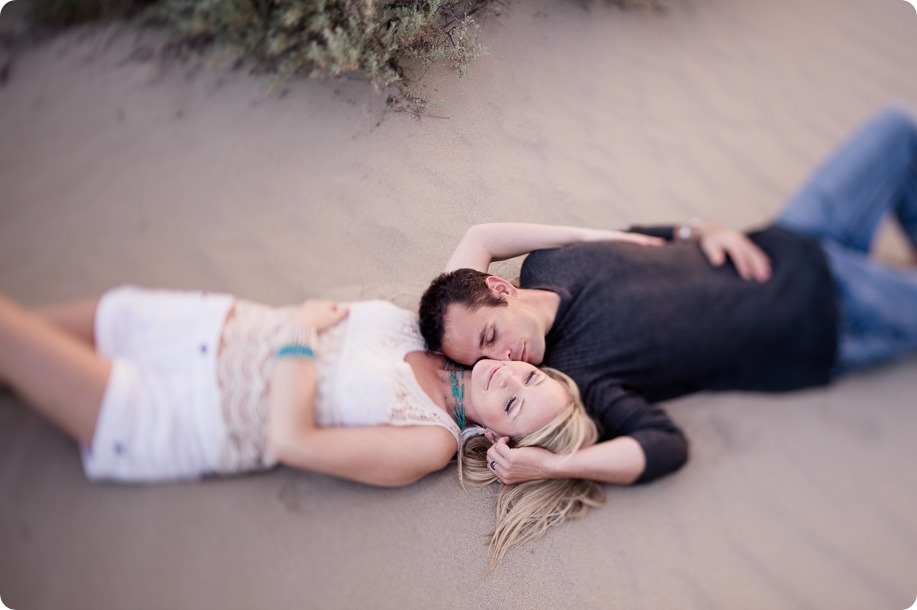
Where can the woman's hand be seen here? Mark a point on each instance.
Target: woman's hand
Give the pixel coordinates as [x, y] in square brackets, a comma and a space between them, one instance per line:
[320, 315]
[520, 464]
[292, 395]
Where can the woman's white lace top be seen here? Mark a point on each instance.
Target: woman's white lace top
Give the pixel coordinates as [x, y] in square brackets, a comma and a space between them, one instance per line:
[361, 376]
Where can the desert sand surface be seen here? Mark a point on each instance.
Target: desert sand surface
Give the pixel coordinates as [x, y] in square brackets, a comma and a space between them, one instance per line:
[115, 168]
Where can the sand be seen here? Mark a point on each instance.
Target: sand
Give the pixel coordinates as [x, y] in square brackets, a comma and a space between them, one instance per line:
[116, 169]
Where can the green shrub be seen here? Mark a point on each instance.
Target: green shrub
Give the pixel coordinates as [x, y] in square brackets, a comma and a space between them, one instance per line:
[372, 38]
[375, 39]
[69, 12]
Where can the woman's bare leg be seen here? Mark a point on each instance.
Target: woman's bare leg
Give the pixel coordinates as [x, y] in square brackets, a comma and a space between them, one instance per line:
[60, 376]
[77, 318]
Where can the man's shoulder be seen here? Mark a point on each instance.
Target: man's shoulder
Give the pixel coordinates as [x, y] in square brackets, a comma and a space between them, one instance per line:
[574, 258]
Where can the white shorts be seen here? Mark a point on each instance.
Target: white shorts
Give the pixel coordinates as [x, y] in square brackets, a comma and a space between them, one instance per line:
[160, 417]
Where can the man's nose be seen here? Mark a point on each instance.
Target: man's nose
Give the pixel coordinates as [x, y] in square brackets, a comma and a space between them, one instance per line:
[500, 353]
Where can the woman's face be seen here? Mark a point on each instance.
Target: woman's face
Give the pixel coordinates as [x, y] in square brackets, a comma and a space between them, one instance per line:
[513, 398]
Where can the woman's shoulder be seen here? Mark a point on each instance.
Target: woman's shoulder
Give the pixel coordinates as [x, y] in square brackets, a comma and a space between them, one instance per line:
[385, 319]
[381, 306]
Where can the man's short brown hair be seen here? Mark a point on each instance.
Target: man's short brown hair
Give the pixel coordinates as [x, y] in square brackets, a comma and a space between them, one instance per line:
[466, 287]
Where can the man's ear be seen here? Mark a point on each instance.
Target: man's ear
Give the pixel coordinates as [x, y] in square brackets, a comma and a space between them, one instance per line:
[499, 286]
[490, 435]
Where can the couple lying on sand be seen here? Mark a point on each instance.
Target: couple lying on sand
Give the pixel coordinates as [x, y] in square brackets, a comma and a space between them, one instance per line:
[159, 385]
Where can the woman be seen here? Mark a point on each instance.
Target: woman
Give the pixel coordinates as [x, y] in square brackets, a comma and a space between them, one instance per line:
[159, 385]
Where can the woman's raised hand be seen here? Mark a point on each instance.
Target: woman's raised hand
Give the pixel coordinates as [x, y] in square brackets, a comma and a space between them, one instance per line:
[520, 464]
[320, 315]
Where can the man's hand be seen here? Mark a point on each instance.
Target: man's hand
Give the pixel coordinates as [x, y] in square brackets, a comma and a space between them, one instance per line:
[719, 242]
[520, 464]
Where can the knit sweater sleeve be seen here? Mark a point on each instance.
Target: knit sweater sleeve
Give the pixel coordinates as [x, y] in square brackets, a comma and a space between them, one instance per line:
[620, 412]
[663, 231]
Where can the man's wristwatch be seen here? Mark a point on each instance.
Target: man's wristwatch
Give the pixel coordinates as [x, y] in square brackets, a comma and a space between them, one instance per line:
[689, 231]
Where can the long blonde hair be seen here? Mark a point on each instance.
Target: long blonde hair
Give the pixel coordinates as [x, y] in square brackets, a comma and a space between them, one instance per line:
[526, 510]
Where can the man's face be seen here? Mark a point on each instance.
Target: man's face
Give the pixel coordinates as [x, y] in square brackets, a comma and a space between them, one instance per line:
[499, 333]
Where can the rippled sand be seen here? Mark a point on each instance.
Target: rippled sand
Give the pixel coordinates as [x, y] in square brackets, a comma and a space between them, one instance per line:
[114, 168]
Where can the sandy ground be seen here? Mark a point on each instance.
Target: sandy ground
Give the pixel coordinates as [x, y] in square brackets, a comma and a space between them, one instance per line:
[115, 169]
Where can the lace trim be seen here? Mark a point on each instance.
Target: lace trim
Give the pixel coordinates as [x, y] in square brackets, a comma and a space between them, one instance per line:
[408, 412]
[251, 335]
[411, 405]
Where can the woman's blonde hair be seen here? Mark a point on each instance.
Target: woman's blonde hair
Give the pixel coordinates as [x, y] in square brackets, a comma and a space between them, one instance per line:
[526, 510]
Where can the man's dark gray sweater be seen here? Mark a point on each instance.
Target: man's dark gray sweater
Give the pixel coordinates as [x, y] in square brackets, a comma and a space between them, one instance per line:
[640, 324]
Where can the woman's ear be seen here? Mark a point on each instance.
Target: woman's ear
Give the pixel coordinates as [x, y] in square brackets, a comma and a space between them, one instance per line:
[491, 435]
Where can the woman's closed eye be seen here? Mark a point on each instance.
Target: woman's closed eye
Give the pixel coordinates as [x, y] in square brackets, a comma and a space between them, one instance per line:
[512, 401]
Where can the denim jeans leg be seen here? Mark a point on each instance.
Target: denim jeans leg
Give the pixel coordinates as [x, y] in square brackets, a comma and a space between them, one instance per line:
[878, 309]
[872, 174]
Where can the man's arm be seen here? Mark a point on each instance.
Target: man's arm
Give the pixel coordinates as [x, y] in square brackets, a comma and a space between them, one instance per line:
[620, 461]
[718, 243]
[486, 243]
[639, 443]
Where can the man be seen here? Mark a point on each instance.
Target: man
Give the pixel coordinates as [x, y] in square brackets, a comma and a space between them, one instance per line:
[790, 306]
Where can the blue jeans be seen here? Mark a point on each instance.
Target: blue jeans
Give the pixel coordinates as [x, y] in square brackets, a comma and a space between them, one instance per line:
[873, 174]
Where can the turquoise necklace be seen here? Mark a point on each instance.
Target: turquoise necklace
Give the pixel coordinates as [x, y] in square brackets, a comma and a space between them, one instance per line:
[456, 372]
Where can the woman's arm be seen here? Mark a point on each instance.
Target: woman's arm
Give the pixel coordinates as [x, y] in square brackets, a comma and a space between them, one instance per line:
[486, 243]
[380, 455]
[387, 456]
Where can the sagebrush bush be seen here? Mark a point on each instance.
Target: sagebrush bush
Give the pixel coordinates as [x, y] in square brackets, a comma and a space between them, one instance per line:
[375, 39]
[329, 37]
[69, 12]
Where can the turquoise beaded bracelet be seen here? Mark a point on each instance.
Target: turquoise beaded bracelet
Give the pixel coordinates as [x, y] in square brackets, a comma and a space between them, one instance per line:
[299, 342]
[296, 351]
